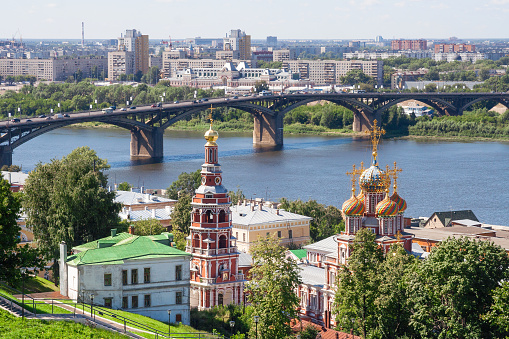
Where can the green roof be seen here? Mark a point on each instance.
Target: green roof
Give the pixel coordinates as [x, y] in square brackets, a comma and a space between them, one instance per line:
[300, 253]
[122, 247]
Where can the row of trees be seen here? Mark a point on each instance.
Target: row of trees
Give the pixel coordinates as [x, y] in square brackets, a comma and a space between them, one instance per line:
[79, 96]
[459, 291]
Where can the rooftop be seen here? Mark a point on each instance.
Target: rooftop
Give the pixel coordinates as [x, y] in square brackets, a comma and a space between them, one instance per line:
[312, 275]
[243, 215]
[122, 247]
[136, 198]
[327, 245]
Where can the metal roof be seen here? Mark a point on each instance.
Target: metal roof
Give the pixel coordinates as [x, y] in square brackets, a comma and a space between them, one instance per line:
[122, 247]
[327, 245]
[243, 215]
[136, 198]
[312, 275]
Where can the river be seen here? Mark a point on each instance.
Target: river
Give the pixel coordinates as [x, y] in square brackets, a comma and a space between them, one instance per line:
[436, 176]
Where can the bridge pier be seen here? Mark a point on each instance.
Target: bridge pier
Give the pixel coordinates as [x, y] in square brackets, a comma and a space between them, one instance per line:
[268, 130]
[5, 155]
[363, 121]
[147, 144]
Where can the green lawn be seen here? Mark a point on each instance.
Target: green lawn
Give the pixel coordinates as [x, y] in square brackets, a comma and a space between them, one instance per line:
[42, 308]
[158, 325]
[38, 284]
[12, 327]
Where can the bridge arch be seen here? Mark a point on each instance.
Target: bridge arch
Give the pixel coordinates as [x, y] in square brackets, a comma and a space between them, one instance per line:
[437, 104]
[499, 100]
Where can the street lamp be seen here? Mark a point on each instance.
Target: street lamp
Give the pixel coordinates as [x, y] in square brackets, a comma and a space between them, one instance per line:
[23, 272]
[256, 320]
[232, 325]
[169, 321]
[92, 305]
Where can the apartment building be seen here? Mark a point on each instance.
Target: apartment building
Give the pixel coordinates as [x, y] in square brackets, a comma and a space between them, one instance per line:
[454, 48]
[238, 41]
[398, 45]
[283, 55]
[136, 43]
[323, 72]
[120, 62]
[52, 69]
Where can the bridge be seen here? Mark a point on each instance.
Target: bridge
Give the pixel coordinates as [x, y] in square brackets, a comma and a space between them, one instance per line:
[147, 124]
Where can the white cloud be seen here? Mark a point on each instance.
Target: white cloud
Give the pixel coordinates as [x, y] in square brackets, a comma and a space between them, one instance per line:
[51, 5]
[500, 2]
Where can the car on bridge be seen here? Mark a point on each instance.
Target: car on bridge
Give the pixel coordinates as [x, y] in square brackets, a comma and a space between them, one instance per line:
[15, 120]
[176, 102]
[42, 116]
[66, 115]
[132, 107]
[28, 120]
[123, 109]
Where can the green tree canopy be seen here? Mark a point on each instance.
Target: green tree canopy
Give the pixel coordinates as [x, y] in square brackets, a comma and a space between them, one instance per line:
[12, 257]
[68, 200]
[356, 76]
[357, 285]
[148, 227]
[271, 289]
[186, 183]
[124, 186]
[454, 286]
[181, 220]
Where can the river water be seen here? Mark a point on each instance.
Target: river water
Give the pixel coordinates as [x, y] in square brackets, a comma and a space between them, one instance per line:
[436, 176]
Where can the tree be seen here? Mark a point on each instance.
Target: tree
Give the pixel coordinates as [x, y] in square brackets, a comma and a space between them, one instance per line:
[261, 86]
[271, 289]
[12, 257]
[148, 227]
[186, 183]
[357, 285]
[124, 186]
[181, 220]
[453, 288]
[68, 200]
[236, 196]
[356, 76]
[310, 332]
[393, 311]
[498, 317]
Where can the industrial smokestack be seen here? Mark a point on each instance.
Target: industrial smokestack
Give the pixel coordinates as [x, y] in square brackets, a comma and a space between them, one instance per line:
[82, 34]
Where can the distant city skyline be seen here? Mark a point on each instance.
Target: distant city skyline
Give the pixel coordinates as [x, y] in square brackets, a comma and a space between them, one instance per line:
[300, 19]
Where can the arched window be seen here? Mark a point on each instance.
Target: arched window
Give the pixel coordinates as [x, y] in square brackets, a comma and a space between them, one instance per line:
[222, 242]
[222, 216]
[196, 241]
[220, 299]
[196, 216]
[209, 217]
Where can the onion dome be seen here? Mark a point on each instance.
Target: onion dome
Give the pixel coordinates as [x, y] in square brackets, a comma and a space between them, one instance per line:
[386, 207]
[373, 179]
[353, 206]
[399, 201]
[361, 197]
[211, 136]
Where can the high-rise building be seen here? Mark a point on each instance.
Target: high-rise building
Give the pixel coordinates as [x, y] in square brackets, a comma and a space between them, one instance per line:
[120, 62]
[134, 41]
[272, 41]
[215, 277]
[238, 41]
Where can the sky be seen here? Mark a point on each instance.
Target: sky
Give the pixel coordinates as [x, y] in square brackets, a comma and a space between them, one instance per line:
[286, 19]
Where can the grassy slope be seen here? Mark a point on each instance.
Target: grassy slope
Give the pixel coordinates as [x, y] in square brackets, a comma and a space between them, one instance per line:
[12, 327]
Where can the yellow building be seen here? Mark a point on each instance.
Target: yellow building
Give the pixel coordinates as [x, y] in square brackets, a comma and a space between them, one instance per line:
[252, 220]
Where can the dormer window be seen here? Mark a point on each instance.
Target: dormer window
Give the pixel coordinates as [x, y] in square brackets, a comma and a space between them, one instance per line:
[208, 196]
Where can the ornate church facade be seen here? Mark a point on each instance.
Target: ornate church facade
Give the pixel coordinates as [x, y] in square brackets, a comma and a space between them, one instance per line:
[215, 277]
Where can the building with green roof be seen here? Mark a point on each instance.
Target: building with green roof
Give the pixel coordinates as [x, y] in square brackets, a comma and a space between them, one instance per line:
[146, 275]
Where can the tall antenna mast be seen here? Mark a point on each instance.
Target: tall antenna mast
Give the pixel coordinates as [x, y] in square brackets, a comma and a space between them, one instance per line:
[82, 34]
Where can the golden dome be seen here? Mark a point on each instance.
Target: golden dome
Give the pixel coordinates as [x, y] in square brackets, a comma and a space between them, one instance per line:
[211, 136]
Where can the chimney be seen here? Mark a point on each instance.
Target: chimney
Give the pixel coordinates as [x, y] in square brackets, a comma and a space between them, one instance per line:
[154, 213]
[109, 188]
[115, 186]
[142, 189]
[131, 229]
[9, 178]
[113, 232]
[252, 206]
[277, 211]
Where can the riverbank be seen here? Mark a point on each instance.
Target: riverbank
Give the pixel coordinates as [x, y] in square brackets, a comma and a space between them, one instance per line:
[295, 129]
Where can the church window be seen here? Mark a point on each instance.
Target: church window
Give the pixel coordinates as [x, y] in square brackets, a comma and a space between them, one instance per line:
[222, 216]
[196, 241]
[220, 299]
[222, 241]
[210, 217]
